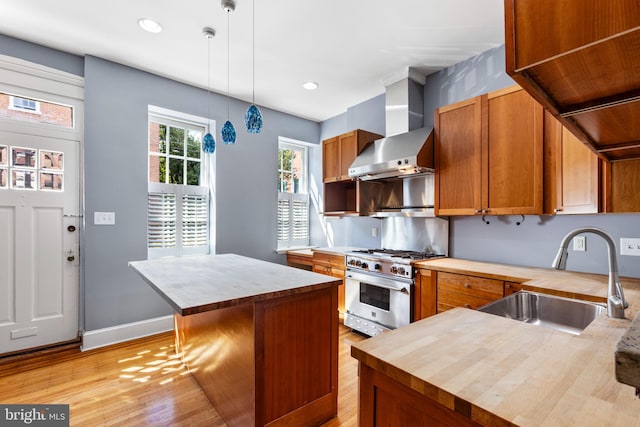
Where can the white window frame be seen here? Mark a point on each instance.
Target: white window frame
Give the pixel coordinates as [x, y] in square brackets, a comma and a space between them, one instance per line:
[290, 200]
[206, 188]
[13, 105]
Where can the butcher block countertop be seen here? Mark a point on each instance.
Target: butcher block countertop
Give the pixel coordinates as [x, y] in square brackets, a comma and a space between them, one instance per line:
[200, 283]
[508, 372]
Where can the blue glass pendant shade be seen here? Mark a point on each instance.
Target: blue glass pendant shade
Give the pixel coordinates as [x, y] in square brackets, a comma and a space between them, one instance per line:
[208, 143]
[253, 119]
[228, 133]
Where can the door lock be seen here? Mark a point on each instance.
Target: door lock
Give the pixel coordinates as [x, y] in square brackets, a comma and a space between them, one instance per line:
[71, 228]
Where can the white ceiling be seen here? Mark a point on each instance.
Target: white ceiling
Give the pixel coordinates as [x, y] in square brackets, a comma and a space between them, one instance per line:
[350, 47]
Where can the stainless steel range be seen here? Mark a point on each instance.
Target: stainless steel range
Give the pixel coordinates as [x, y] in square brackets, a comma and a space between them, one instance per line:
[379, 287]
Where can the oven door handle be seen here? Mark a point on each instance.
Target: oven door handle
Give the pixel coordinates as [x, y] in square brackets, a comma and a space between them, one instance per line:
[394, 285]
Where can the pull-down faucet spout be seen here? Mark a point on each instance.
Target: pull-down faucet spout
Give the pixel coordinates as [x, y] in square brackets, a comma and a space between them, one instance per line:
[616, 303]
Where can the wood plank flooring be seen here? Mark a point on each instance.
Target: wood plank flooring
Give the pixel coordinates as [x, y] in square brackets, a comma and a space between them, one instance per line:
[143, 383]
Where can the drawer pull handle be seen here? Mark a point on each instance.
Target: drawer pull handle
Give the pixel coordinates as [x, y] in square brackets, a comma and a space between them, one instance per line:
[466, 285]
[467, 306]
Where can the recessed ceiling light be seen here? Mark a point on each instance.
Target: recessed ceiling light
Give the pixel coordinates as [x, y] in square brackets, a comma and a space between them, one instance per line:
[310, 85]
[149, 25]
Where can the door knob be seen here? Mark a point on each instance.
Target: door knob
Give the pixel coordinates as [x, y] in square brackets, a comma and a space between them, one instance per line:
[70, 256]
[71, 228]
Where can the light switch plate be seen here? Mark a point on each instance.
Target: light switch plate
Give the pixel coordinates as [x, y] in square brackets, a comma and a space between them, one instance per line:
[629, 246]
[104, 218]
[580, 243]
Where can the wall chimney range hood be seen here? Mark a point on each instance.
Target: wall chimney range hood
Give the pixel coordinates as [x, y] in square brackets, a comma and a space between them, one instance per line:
[406, 153]
[395, 156]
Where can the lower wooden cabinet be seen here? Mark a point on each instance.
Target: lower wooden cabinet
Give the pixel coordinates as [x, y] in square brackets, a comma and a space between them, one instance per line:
[386, 402]
[438, 291]
[458, 290]
[332, 265]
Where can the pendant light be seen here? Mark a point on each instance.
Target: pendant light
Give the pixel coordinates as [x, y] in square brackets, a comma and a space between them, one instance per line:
[208, 143]
[228, 131]
[253, 117]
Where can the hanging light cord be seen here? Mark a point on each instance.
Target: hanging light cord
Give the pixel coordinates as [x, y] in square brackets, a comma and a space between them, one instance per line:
[228, 61]
[253, 53]
[208, 77]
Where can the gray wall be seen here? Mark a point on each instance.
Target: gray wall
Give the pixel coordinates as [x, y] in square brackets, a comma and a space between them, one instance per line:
[115, 161]
[349, 231]
[116, 180]
[535, 242]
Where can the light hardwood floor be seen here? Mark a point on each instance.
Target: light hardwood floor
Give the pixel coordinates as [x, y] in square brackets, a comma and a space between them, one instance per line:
[142, 383]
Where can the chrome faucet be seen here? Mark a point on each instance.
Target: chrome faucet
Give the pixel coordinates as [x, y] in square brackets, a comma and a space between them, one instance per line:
[616, 303]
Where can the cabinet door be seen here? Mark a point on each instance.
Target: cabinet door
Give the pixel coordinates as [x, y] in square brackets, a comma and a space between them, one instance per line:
[331, 159]
[458, 158]
[425, 301]
[348, 152]
[625, 186]
[572, 172]
[512, 170]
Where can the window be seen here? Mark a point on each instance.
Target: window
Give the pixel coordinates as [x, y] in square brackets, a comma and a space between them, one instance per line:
[25, 104]
[178, 197]
[293, 197]
[45, 112]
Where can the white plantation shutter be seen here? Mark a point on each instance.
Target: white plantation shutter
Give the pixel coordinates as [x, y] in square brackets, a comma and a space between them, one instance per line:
[177, 220]
[195, 215]
[161, 220]
[293, 219]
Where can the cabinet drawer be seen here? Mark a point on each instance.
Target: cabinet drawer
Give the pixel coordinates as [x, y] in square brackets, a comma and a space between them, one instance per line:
[448, 300]
[474, 286]
[329, 260]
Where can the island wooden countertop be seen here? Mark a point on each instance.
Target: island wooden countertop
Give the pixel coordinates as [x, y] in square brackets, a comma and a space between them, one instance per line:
[194, 284]
[511, 372]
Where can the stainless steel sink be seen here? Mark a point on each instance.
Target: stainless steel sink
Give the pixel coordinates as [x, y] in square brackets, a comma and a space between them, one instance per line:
[568, 315]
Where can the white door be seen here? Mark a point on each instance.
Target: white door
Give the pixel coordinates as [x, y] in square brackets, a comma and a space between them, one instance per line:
[39, 240]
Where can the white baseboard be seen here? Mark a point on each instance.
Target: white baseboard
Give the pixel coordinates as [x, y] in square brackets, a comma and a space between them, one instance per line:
[129, 331]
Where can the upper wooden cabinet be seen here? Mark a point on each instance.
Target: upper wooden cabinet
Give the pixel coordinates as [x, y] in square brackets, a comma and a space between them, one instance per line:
[581, 61]
[488, 155]
[572, 172]
[623, 190]
[458, 157]
[340, 151]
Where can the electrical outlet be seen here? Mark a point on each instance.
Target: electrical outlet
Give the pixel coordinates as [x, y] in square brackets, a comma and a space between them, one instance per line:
[104, 218]
[580, 243]
[629, 246]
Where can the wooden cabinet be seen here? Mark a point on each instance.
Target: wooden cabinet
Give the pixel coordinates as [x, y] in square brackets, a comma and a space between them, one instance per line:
[623, 189]
[343, 196]
[581, 60]
[458, 290]
[332, 265]
[458, 158]
[438, 291]
[424, 295]
[339, 152]
[489, 155]
[302, 259]
[383, 401]
[572, 172]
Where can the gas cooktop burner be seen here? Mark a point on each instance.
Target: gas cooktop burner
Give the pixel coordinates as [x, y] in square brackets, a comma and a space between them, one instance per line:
[398, 253]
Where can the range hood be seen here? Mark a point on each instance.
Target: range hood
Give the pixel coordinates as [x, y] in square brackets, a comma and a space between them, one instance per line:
[400, 155]
[406, 153]
[407, 149]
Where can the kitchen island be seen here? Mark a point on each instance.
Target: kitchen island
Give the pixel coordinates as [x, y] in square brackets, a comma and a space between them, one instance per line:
[464, 367]
[261, 339]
